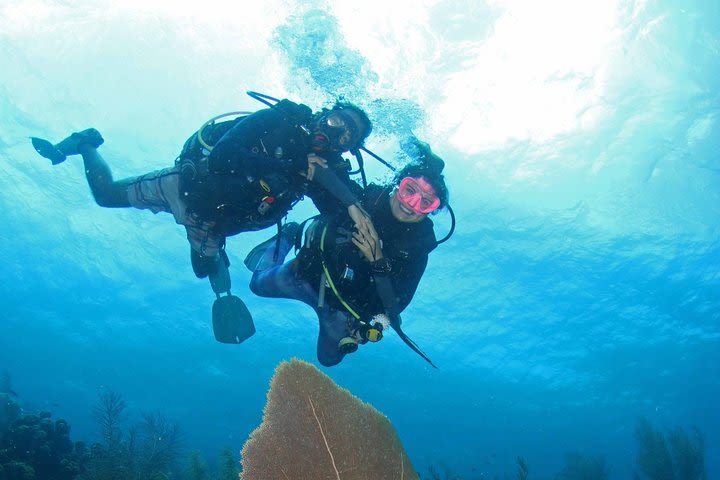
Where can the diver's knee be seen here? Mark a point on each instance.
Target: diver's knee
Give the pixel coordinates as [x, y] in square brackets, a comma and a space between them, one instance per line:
[329, 360]
[102, 201]
[253, 286]
[328, 363]
[111, 198]
[256, 285]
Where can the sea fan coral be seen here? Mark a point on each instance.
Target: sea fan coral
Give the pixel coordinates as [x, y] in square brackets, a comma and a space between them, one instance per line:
[312, 428]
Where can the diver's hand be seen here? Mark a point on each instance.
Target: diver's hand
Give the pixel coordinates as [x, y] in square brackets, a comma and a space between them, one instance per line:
[361, 219]
[313, 162]
[367, 240]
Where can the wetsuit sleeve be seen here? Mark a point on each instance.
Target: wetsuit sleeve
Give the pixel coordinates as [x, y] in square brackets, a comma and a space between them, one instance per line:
[333, 190]
[407, 270]
[405, 277]
[237, 152]
[330, 182]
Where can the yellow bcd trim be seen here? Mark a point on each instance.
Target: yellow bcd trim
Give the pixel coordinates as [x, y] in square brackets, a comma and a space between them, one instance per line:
[329, 279]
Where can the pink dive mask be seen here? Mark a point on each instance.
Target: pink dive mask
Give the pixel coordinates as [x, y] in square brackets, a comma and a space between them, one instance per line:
[418, 195]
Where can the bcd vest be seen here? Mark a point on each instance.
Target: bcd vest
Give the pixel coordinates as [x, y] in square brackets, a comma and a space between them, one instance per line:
[236, 202]
[328, 256]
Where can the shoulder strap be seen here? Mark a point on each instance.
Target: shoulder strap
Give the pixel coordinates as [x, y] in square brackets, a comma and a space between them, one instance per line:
[296, 112]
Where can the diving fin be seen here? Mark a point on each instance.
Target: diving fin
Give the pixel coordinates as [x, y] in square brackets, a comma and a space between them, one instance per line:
[231, 319]
[257, 260]
[58, 153]
[220, 278]
[253, 260]
[48, 150]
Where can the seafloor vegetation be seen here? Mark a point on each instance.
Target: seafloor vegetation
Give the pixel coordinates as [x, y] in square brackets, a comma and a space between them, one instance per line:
[36, 447]
[673, 455]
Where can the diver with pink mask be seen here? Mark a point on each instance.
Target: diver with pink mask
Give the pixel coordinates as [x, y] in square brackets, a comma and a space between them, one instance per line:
[359, 279]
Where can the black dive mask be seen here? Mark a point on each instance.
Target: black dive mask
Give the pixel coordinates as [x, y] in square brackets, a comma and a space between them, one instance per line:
[336, 130]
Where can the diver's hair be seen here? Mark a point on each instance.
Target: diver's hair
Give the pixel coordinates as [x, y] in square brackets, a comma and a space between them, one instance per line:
[424, 163]
[364, 119]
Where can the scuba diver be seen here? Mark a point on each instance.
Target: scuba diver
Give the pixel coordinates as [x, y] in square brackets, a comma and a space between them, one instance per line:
[235, 176]
[359, 280]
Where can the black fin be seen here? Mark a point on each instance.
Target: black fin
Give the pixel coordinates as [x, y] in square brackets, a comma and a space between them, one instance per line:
[232, 322]
[253, 259]
[48, 150]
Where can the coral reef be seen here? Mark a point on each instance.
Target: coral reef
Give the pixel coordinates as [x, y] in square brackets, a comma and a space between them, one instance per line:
[197, 469]
[312, 428]
[228, 466]
[9, 411]
[35, 446]
[146, 452]
[675, 456]
[688, 454]
[522, 473]
[653, 454]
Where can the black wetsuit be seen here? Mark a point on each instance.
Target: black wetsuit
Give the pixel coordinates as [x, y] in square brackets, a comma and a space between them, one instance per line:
[406, 245]
[252, 175]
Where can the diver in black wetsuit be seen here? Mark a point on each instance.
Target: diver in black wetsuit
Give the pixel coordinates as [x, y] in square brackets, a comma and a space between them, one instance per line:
[236, 176]
[359, 280]
[261, 165]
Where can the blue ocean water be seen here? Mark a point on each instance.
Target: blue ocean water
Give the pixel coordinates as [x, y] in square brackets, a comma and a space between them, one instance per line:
[580, 292]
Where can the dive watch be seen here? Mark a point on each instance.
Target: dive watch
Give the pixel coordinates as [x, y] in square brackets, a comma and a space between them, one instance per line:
[381, 266]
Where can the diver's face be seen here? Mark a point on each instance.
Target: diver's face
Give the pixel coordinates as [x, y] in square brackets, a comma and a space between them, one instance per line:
[339, 130]
[402, 212]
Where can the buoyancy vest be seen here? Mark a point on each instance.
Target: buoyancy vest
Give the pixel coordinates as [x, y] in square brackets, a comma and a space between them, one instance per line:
[254, 181]
[329, 257]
